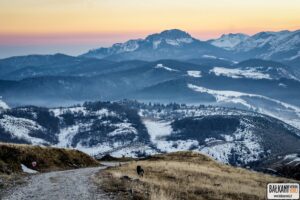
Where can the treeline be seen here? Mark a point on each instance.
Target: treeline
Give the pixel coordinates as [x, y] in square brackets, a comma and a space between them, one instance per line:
[124, 113]
[202, 128]
[93, 127]
[41, 116]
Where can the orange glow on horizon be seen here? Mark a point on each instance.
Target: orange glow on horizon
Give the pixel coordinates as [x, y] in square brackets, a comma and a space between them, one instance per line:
[104, 22]
[92, 16]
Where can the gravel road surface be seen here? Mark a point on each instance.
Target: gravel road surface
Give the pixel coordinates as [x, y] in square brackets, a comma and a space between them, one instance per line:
[62, 185]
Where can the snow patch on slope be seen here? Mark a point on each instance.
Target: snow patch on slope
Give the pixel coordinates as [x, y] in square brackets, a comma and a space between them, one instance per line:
[209, 56]
[161, 66]
[96, 149]
[3, 105]
[134, 151]
[27, 170]
[157, 129]
[196, 74]
[179, 41]
[292, 159]
[122, 129]
[229, 41]
[156, 44]
[177, 145]
[128, 46]
[242, 146]
[239, 73]
[66, 135]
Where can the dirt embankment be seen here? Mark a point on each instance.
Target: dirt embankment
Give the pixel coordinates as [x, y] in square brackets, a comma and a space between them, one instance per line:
[41, 159]
[44, 158]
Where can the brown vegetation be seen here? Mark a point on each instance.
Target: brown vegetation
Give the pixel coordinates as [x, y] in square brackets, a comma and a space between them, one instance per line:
[47, 158]
[184, 175]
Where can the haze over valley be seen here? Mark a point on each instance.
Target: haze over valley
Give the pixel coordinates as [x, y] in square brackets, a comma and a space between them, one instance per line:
[164, 93]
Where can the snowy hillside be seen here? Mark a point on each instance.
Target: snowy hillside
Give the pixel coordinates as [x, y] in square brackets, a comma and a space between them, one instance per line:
[256, 69]
[92, 127]
[154, 41]
[228, 135]
[133, 129]
[240, 73]
[168, 44]
[117, 48]
[97, 128]
[229, 41]
[279, 41]
[259, 103]
[280, 46]
[22, 128]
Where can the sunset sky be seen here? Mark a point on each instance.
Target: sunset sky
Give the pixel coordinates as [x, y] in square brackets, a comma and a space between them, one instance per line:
[73, 26]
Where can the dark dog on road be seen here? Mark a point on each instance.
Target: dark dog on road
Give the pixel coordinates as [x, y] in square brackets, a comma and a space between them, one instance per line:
[140, 171]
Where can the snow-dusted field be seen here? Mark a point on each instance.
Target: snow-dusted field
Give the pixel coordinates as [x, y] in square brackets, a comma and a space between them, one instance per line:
[194, 73]
[288, 113]
[240, 73]
[157, 129]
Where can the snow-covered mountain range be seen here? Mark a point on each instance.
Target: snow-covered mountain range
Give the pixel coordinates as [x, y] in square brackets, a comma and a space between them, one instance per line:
[259, 74]
[169, 38]
[280, 46]
[169, 44]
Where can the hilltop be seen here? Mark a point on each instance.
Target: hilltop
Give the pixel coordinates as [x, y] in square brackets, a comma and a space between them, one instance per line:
[184, 175]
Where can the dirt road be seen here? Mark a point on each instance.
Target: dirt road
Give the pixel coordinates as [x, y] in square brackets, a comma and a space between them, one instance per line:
[62, 185]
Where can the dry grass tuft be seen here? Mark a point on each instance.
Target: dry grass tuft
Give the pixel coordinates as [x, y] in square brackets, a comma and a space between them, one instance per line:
[185, 175]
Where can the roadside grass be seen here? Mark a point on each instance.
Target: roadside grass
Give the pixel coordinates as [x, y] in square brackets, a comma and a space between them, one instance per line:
[47, 158]
[186, 176]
